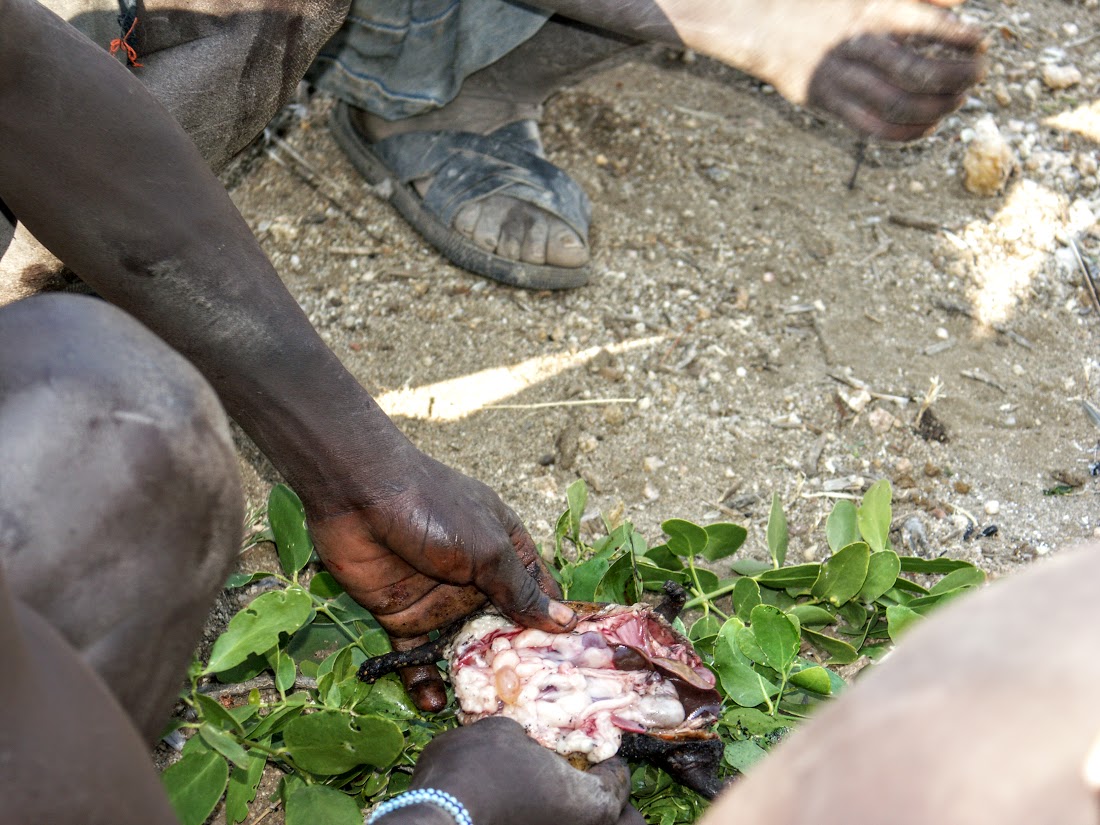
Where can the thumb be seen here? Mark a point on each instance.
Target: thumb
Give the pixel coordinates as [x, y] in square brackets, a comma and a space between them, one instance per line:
[608, 791]
[518, 596]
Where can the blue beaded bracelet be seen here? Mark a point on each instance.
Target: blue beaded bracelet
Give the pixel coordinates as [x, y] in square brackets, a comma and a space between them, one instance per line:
[431, 796]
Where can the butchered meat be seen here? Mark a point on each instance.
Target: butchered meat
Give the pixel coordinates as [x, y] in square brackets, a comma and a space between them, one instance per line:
[622, 669]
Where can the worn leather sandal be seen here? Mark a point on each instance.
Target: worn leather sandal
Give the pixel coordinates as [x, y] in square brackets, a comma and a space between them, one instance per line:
[465, 167]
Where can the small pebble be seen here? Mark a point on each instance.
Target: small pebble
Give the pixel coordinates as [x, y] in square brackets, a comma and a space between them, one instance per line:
[962, 488]
[992, 507]
[1061, 77]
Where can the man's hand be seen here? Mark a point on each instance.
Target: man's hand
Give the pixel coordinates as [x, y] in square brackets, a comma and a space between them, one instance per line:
[503, 776]
[428, 551]
[888, 68]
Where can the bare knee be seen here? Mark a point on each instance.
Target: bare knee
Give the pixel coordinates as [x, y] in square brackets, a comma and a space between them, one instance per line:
[122, 507]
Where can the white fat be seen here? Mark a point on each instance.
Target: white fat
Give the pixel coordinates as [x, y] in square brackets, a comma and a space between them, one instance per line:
[570, 697]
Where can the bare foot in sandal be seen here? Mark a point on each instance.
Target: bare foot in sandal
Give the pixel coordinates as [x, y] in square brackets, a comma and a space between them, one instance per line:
[502, 225]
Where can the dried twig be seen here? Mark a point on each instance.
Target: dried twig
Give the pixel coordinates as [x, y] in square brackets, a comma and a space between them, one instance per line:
[982, 378]
[581, 402]
[264, 682]
[855, 383]
[914, 223]
[935, 390]
[1086, 274]
[286, 156]
[861, 155]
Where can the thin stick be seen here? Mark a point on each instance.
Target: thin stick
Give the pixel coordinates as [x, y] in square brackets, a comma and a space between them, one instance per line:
[575, 403]
[286, 156]
[914, 223]
[1090, 283]
[861, 153]
[258, 683]
[982, 378]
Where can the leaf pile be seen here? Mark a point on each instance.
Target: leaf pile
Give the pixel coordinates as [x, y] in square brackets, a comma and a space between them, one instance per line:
[773, 633]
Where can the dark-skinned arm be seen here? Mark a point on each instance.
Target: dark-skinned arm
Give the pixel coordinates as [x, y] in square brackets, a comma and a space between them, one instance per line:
[103, 176]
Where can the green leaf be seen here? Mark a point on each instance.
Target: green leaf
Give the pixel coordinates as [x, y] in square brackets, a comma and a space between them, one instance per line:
[777, 533]
[905, 586]
[746, 596]
[811, 614]
[616, 585]
[738, 680]
[317, 804]
[924, 604]
[287, 517]
[899, 618]
[195, 784]
[723, 539]
[241, 579]
[743, 755]
[242, 788]
[797, 575]
[813, 679]
[873, 515]
[915, 564]
[576, 497]
[325, 586]
[705, 627]
[777, 635]
[963, 577]
[388, 698]
[882, 571]
[285, 671]
[253, 665]
[752, 721]
[749, 646]
[278, 718]
[224, 744]
[256, 629]
[211, 710]
[840, 527]
[842, 574]
[586, 578]
[684, 537]
[749, 567]
[664, 558]
[329, 742]
[840, 653]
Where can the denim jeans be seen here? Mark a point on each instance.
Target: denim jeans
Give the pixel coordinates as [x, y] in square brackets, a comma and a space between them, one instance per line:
[399, 58]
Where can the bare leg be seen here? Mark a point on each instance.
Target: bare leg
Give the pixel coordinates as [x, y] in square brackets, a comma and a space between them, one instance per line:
[58, 719]
[121, 511]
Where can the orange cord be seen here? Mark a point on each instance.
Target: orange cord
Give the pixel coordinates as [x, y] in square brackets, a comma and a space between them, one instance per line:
[120, 43]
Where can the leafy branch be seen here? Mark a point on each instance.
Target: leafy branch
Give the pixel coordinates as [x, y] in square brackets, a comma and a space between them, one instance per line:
[773, 633]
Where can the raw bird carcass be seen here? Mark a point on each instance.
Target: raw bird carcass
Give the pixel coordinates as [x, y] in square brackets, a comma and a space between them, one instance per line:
[623, 681]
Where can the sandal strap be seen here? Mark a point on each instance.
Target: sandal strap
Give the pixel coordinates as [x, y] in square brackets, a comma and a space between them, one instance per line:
[466, 168]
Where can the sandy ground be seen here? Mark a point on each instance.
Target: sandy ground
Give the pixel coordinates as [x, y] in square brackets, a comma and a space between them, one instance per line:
[752, 325]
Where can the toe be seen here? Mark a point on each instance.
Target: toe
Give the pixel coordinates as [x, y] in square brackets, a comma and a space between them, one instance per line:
[490, 219]
[520, 220]
[564, 247]
[534, 243]
[465, 220]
